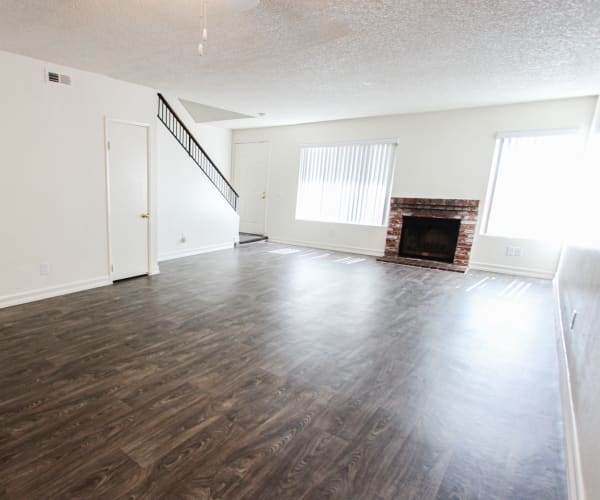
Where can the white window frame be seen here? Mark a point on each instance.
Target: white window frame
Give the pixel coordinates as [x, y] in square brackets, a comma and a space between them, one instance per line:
[389, 180]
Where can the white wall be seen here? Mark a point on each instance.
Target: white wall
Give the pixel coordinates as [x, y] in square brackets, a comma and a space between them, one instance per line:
[190, 208]
[193, 217]
[52, 175]
[578, 282]
[216, 141]
[53, 186]
[441, 154]
[578, 285]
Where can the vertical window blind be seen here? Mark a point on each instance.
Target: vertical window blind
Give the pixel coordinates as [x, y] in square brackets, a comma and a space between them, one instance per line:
[346, 183]
[531, 183]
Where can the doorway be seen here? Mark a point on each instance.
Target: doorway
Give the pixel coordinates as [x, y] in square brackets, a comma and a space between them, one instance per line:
[128, 209]
[250, 176]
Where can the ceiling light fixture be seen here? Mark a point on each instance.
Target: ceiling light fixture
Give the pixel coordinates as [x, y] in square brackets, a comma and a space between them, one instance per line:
[235, 5]
[204, 37]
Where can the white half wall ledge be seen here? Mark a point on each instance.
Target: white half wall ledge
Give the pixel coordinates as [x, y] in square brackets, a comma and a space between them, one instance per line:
[575, 484]
[189, 252]
[335, 248]
[514, 271]
[53, 291]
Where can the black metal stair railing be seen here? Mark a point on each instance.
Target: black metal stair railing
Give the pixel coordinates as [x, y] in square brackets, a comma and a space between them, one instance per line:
[178, 129]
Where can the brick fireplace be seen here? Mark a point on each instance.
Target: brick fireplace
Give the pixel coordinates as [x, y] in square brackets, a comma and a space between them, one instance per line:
[429, 232]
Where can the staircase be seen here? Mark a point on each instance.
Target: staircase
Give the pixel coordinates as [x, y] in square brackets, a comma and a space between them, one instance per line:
[178, 129]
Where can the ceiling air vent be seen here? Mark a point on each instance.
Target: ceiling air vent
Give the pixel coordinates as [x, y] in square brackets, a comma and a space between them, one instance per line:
[58, 78]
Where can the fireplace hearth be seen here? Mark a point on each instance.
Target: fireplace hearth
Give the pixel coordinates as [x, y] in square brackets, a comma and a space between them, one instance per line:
[434, 233]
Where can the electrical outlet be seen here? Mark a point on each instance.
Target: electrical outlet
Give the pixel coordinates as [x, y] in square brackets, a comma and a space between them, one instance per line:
[182, 239]
[513, 251]
[44, 269]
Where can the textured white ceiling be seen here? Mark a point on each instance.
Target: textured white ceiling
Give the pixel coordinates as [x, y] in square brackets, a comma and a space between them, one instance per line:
[310, 60]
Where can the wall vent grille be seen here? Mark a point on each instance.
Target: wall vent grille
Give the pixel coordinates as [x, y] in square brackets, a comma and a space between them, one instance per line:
[54, 77]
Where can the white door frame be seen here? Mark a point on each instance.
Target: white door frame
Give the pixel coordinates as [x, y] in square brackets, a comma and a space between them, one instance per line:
[268, 176]
[107, 121]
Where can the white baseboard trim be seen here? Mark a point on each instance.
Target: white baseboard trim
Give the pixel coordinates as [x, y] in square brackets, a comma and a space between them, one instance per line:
[575, 484]
[321, 246]
[154, 270]
[188, 252]
[516, 271]
[53, 291]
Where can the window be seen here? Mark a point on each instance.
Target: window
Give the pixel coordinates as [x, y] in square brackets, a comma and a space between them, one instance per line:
[345, 183]
[531, 183]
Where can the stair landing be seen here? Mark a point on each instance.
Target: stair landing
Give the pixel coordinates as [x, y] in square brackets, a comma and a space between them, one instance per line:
[251, 238]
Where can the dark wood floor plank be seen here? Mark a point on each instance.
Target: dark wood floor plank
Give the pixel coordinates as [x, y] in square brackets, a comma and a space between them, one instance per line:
[418, 467]
[303, 465]
[150, 447]
[240, 467]
[354, 472]
[252, 374]
[118, 431]
[99, 477]
[193, 456]
[20, 451]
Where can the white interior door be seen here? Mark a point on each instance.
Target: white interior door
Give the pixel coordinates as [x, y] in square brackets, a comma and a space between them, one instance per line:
[128, 199]
[250, 177]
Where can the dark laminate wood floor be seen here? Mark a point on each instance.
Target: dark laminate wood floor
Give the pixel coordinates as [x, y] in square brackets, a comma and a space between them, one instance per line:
[253, 374]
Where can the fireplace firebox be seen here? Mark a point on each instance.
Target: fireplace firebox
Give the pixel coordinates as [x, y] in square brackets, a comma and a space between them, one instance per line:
[429, 238]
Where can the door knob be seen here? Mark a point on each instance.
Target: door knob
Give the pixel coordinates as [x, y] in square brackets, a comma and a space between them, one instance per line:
[264, 195]
[145, 216]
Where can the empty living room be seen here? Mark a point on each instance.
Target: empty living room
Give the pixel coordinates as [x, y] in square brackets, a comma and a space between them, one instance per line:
[300, 249]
